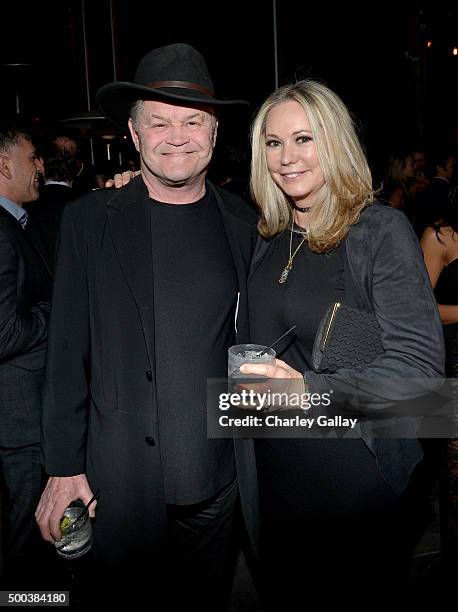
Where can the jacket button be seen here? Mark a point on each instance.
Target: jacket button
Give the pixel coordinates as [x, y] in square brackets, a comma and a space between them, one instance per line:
[150, 441]
[149, 375]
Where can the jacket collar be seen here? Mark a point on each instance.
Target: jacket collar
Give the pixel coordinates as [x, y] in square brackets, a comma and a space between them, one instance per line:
[14, 209]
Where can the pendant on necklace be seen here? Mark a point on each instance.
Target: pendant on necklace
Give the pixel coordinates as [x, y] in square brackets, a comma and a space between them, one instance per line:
[284, 275]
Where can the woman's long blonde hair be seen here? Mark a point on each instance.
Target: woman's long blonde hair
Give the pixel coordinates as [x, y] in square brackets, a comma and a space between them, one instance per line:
[348, 182]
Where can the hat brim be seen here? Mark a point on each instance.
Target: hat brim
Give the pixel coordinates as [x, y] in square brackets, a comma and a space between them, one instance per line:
[116, 99]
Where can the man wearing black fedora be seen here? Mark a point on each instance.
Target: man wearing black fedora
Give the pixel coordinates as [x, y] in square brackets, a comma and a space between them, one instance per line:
[148, 282]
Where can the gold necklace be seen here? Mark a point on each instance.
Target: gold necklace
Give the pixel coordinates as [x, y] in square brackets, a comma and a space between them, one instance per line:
[286, 270]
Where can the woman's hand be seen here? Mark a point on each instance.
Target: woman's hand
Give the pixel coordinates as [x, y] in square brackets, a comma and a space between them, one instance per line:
[287, 380]
[120, 180]
[279, 369]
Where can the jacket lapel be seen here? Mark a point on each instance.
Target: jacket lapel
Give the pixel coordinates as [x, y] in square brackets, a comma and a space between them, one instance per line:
[30, 233]
[241, 236]
[129, 225]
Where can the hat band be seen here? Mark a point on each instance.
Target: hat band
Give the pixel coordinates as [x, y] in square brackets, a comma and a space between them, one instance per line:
[182, 85]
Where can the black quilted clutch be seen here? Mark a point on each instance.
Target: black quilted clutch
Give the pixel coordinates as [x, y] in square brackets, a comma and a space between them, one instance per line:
[346, 338]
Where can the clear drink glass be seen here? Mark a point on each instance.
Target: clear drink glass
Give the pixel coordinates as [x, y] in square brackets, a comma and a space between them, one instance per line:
[76, 529]
[247, 353]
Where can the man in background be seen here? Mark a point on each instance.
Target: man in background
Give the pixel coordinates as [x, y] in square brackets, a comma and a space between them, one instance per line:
[60, 174]
[25, 292]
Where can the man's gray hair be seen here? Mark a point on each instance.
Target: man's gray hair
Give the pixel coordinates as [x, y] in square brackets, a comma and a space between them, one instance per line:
[135, 113]
[10, 134]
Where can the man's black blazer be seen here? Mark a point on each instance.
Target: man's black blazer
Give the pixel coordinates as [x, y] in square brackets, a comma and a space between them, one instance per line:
[25, 291]
[100, 414]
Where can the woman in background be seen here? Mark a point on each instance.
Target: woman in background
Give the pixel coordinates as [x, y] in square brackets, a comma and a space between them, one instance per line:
[398, 185]
[440, 248]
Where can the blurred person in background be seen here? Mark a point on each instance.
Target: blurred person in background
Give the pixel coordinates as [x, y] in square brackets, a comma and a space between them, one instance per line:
[25, 293]
[439, 243]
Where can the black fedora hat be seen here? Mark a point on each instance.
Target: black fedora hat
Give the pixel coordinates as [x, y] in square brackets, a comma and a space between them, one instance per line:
[172, 73]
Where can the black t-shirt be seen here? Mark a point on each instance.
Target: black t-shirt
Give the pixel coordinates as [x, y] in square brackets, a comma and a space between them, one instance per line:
[195, 295]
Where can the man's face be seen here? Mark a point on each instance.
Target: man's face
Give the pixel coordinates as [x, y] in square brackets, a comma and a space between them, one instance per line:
[24, 169]
[175, 142]
[419, 161]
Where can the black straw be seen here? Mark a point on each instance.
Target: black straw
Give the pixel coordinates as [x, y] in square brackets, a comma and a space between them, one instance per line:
[277, 340]
[86, 507]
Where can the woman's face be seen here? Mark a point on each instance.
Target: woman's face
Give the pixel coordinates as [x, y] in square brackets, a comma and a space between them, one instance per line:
[291, 153]
[409, 167]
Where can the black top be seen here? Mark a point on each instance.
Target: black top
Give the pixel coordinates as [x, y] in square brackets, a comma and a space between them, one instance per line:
[314, 283]
[194, 308]
[446, 292]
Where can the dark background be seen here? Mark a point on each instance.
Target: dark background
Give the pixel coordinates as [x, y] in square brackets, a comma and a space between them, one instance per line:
[375, 57]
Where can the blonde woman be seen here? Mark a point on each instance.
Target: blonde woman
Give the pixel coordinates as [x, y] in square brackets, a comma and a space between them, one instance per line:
[332, 510]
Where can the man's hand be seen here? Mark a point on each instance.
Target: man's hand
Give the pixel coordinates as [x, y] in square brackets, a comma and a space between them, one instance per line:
[59, 492]
[120, 180]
